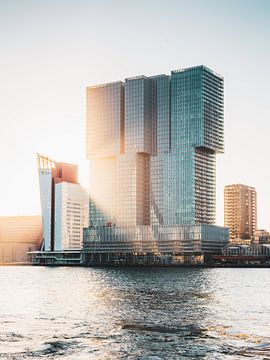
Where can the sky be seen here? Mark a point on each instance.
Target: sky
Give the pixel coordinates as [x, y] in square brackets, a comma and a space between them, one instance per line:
[52, 49]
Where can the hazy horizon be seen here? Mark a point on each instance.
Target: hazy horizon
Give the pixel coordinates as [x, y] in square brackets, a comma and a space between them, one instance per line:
[52, 50]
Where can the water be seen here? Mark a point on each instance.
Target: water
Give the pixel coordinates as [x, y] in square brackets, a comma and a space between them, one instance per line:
[132, 313]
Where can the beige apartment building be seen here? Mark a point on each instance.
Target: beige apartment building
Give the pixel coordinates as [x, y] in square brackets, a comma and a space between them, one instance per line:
[240, 212]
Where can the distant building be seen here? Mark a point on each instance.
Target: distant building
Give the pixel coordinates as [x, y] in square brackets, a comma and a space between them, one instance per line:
[64, 205]
[18, 235]
[152, 145]
[240, 211]
[243, 255]
[261, 237]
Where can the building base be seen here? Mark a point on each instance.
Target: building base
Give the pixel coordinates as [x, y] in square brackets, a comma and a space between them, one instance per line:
[56, 258]
[142, 259]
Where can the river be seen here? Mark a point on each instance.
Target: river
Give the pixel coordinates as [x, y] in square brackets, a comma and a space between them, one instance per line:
[134, 313]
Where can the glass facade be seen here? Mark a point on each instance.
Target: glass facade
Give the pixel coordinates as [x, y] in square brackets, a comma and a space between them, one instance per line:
[104, 143]
[152, 144]
[156, 239]
[105, 120]
[139, 132]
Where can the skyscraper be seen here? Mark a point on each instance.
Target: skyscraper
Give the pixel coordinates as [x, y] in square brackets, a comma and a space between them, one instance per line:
[64, 205]
[152, 143]
[240, 211]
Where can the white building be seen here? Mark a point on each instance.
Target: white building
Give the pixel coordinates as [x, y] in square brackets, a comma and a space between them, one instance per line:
[71, 215]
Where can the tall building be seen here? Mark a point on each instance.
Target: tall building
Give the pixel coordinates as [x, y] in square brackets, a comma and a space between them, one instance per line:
[71, 215]
[19, 235]
[240, 211]
[152, 144]
[64, 205]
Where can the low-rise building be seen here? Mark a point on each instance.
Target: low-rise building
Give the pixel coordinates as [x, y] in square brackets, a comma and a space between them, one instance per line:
[261, 236]
[19, 235]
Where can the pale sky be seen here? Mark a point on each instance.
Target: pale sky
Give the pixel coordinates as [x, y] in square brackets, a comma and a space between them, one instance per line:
[52, 49]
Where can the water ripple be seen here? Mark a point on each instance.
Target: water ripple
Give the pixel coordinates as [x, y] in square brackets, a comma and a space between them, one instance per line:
[134, 314]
